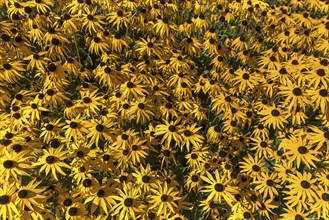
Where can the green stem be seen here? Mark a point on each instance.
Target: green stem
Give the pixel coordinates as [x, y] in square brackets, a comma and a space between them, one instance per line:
[76, 47]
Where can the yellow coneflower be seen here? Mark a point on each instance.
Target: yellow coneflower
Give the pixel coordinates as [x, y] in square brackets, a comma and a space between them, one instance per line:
[91, 21]
[51, 162]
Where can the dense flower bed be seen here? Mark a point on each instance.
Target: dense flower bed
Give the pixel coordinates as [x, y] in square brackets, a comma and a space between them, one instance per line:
[147, 109]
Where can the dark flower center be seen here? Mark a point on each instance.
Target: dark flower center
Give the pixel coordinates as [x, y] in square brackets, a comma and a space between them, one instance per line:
[86, 100]
[164, 198]
[68, 202]
[305, 184]
[50, 92]
[247, 215]
[320, 72]
[8, 164]
[172, 128]
[66, 16]
[97, 39]
[6, 142]
[22, 194]
[194, 156]
[123, 179]
[80, 153]
[50, 159]
[253, 198]
[49, 127]
[99, 128]
[211, 41]
[55, 143]
[141, 106]
[73, 124]
[297, 91]
[217, 128]
[107, 70]
[17, 115]
[34, 106]
[52, 67]
[255, 168]
[134, 147]
[128, 202]
[222, 153]
[187, 133]
[68, 103]
[326, 135]
[245, 76]
[195, 178]
[18, 39]
[5, 199]
[125, 106]
[130, 85]
[263, 144]
[168, 105]
[9, 135]
[165, 20]
[90, 17]
[145, 178]
[73, 211]
[6, 66]
[17, 148]
[184, 84]
[55, 41]
[324, 62]
[166, 153]
[151, 216]
[5, 37]
[117, 35]
[325, 197]
[227, 166]
[269, 182]
[299, 217]
[279, 153]
[101, 193]
[302, 150]
[106, 157]
[323, 92]
[212, 205]
[119, 13]
[219, 187]
[86, 183]
[124, 137]
[275, 113]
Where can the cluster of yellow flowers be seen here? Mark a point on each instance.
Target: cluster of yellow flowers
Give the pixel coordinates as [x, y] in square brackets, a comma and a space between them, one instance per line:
[164, 109]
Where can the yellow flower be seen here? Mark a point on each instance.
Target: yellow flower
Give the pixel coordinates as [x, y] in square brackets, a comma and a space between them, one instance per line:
[92, 22]
[30, 196]
[14, 165]
[219, 189]
[170, 131]
[51, 162]
[146, 179]
[102, 198]
[268, 184]
[126, 206]
[273, 117]
[301, 188]
[8, 208]
[252, 166]
[164, 198]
